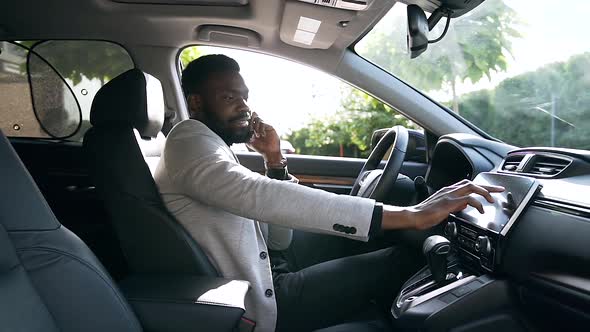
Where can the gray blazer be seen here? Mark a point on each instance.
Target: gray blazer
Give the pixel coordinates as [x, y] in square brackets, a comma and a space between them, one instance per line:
[220, 203]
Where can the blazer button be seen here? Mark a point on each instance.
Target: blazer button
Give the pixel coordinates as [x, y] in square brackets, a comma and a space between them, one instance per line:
[352, 230]
[268, 293]
[337, 227]
[263, 255]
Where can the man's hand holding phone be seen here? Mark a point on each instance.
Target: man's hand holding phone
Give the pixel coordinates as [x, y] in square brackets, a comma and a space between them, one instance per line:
[265, 141]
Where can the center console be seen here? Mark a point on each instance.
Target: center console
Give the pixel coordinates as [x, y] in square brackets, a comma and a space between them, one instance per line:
[478, 237]
[461, 276]
[179, 303]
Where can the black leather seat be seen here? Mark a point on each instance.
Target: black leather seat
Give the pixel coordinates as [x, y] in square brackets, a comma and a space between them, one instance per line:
[49, 279]
[151, 238]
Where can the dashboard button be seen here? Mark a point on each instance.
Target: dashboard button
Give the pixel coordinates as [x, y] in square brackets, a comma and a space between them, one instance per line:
[483, 245]
[451, 230]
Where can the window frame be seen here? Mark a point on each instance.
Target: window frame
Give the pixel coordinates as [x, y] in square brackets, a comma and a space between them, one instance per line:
[180, 68]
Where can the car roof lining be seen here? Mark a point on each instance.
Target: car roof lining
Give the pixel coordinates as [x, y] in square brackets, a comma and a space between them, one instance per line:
[154, 34]
[175, 26]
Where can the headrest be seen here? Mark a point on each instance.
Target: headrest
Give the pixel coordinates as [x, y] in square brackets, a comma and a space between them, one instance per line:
[133, 98]
[22, 206]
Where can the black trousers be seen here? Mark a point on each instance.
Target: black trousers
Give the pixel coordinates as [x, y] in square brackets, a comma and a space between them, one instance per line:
[342, 290]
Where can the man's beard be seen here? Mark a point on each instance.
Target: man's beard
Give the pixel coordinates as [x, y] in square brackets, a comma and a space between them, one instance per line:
[228, 134]
[242, 135]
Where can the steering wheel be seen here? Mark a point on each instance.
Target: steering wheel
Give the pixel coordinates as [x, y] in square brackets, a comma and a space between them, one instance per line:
[376, 183]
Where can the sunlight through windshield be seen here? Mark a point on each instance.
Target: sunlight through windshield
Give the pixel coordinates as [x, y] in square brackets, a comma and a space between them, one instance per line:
[519, 70]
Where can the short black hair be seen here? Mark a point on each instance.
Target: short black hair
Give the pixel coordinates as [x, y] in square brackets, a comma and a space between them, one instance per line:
[199, 70]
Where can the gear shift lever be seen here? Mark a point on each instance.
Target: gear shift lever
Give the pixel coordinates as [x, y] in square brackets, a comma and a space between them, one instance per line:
[435, 249]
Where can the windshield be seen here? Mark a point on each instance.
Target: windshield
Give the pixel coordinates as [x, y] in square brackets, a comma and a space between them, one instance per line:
[518, 69]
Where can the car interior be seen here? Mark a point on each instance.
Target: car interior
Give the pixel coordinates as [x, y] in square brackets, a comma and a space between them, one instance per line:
[89, 245]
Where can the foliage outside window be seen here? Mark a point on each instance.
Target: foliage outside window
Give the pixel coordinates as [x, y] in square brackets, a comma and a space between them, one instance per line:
[519, 70]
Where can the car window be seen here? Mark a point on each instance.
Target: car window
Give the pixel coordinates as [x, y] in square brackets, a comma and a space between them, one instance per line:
[313, 112]
[47, 87]
[516, 69]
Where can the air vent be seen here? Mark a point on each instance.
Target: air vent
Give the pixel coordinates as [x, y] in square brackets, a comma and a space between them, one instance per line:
[511, 162]
[547, 165]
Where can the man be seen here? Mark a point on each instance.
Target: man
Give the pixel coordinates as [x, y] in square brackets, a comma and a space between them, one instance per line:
[220, 203]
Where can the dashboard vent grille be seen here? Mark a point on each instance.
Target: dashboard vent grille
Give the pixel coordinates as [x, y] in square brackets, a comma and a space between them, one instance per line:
[511, 162]
[548, 165]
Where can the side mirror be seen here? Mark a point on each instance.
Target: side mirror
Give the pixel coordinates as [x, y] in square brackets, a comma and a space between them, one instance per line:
[416, 144]
[417, 31]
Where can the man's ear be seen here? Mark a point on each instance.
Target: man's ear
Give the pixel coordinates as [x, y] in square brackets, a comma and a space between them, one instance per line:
[195, 105]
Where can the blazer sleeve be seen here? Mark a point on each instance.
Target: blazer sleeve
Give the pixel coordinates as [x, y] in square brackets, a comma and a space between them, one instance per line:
[203, 169]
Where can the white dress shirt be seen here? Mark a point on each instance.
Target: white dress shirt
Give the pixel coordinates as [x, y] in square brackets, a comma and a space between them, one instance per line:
[220, 203]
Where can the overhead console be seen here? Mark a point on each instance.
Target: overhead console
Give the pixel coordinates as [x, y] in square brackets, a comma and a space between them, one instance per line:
[341, 4]
[314, 24]
[217, 3]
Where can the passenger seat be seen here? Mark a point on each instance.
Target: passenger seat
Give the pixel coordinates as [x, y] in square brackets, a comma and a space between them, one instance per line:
[130, 106]
[49, 279]
[151, 149]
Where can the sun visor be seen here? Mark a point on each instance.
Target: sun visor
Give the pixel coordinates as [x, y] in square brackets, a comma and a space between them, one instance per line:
[310, 26]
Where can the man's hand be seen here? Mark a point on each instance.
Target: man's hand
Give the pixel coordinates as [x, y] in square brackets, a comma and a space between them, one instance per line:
[265, 141]
[437, 207]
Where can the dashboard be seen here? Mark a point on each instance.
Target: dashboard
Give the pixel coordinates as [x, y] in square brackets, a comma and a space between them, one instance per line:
[450, 165]
[459, 156]
[545, 256]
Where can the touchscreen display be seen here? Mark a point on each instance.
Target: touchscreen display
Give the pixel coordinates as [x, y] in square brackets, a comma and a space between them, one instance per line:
[508, 205]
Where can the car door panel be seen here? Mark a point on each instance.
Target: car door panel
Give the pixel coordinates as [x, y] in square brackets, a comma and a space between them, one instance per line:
[328, 173]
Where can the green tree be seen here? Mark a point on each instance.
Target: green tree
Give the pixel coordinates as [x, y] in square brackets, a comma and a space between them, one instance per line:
[189, 54]
[347, 133]
[476, 45]
[518, 110]
[91, 59]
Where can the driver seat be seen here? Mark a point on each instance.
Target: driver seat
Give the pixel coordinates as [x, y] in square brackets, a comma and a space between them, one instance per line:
[151, 238]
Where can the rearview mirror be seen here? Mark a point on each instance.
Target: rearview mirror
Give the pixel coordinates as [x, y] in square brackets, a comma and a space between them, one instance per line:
[417, 31]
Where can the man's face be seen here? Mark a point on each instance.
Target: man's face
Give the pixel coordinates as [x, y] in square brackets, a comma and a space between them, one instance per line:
[223, 107]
